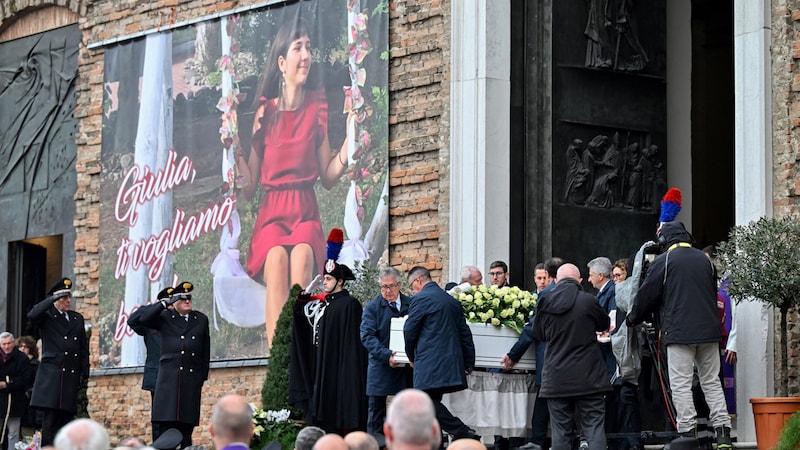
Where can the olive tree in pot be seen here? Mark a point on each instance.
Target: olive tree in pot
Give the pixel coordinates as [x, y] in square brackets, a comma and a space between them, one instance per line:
[760, 261]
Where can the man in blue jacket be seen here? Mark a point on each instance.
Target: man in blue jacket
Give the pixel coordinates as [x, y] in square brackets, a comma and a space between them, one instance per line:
[439, 346]
[385, 376]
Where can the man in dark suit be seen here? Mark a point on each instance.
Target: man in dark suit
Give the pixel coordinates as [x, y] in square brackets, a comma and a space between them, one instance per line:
[384, 375]
[438, 343]
[152, 342]
[15, 374]
[185, 356]
[600, 278]
[65, 359]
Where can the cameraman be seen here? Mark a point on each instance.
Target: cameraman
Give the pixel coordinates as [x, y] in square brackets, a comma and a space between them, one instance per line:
[681, 285]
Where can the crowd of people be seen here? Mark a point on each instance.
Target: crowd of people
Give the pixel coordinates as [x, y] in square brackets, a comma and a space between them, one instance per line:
[344, 372]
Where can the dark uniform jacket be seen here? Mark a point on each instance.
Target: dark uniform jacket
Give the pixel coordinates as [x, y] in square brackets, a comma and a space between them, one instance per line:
[328, 381]
[185, 356]
[382, 379]
[16, 372]
[681, 285]
[152, 342]
[65, 357]
[568, 319]
[438, 340]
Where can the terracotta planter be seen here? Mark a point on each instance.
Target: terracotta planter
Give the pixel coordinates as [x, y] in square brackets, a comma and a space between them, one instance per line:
[770, 414]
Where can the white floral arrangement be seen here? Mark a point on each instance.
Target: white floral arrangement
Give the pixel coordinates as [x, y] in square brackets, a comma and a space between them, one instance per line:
[271, 426]
[34, 442]
[507, 306]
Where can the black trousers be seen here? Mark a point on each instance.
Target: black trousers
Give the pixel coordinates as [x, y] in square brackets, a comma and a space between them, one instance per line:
[186, 430]
[540, 421]
[447, 420]
[52, 421]
[376, 415]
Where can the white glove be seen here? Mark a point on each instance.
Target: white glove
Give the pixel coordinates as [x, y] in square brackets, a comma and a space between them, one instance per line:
[463, 287]
[314, 285]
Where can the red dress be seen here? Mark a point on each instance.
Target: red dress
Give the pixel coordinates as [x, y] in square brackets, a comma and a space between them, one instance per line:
[289, 213]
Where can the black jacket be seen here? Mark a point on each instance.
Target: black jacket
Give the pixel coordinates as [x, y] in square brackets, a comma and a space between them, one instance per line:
[152, 343]
[681, 287]
[568, 319]
[65, 357]
[329, 381]
[16, 372]
[183, 368]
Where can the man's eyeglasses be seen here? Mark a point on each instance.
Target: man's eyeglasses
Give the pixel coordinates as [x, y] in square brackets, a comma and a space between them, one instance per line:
[388, 287]
[496, 274]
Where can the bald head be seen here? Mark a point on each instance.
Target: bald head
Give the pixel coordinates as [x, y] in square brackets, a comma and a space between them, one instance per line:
[231, 421]
[359, 440]
[82, 434]
[411, 420]
[330, 442]
[568, 270]
[466, 444]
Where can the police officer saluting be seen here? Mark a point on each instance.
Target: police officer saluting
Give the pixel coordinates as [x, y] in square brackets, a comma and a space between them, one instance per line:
[65, 359]
[183, 368]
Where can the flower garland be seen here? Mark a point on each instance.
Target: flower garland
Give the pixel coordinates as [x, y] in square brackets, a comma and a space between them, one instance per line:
[369, 163]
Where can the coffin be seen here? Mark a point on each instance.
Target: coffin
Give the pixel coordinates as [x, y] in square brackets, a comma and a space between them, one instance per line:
[491, 344]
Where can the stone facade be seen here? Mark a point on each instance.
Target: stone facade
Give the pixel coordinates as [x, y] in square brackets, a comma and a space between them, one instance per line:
[786, 144]
[419, 40]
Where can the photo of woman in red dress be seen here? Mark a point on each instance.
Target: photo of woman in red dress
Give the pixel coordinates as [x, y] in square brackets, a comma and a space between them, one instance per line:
[290, 151]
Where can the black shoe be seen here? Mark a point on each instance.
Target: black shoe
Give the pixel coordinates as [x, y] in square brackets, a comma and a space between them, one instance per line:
[469, 435]
[529, 446]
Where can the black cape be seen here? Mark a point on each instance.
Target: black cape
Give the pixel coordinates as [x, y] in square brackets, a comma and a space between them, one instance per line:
[328, 382]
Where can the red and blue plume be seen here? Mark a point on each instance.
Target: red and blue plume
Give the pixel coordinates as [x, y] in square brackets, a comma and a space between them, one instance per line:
[335, 243]
[670, 205]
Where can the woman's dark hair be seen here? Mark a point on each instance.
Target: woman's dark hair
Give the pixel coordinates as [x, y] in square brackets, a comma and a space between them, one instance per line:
[30, 344]
[269, 85]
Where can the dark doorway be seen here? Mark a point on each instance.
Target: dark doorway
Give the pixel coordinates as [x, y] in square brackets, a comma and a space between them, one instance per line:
[712, 121]
[556, 97]
[27, 279]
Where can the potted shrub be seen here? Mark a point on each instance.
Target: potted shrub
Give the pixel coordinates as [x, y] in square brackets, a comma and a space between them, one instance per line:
[760, 261]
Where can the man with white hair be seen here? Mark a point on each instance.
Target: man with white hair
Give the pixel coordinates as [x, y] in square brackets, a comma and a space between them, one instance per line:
[411, 422]
[15, 375]
[82, 434]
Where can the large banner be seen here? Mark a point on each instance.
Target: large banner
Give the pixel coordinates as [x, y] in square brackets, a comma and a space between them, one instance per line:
[230, 148]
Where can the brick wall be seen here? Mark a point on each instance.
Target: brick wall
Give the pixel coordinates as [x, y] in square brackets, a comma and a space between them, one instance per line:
[786, 146]
[419, 40]
[419, 43]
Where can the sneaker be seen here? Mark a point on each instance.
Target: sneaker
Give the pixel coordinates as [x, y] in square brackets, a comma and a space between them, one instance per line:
[584, 445]
[723, 435]
[529, 446]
